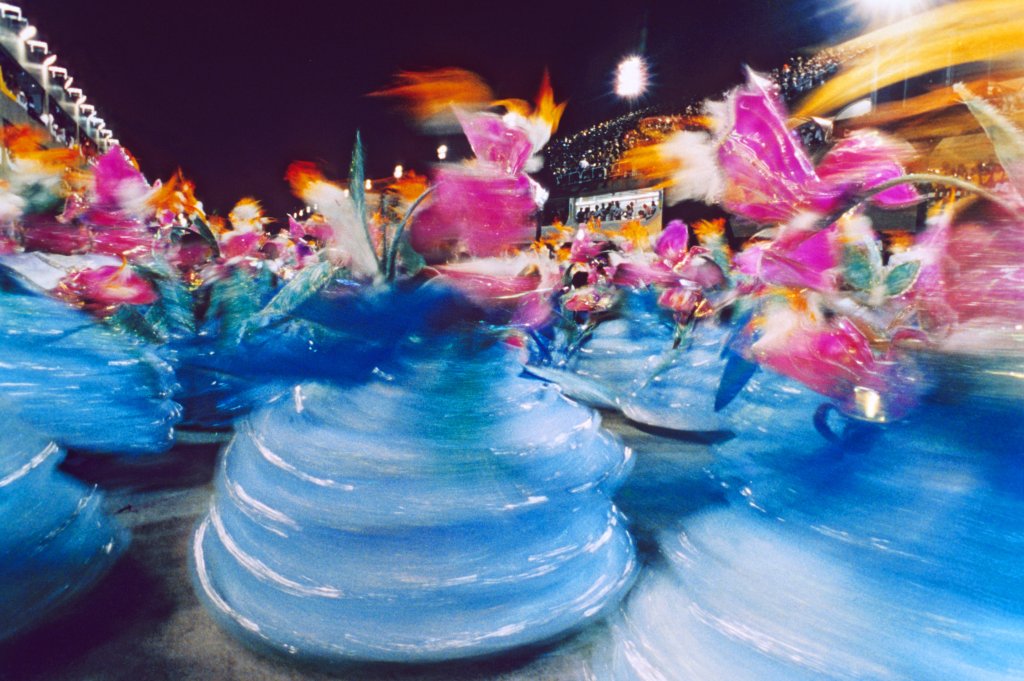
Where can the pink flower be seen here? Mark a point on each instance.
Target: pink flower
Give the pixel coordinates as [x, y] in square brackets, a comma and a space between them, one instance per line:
[769, 177]
[523, 287]
[797, 258]
[674, 242]
[53, 237]
[475, 211]
[485, 208]
[103, 289]
[496, 144]
[239, 245]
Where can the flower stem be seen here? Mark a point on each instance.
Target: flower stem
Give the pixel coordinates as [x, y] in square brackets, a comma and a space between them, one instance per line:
[931, 178]
[391, 254]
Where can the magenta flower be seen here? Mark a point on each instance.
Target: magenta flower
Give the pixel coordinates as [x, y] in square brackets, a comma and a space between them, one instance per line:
[484, 208]
[496, 144]
[797, 258]
[475, 211]
[53, 237]
[239, 245]
[830, 357]
[769, 177]
[522, 287]
[103, 289]
[673, 244]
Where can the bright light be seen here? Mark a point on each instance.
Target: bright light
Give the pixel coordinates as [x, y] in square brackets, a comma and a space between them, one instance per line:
[50, 60]
[28, 33]
[442, 152]
[890, 10]
[368, 185]
[631, 77]
[398, 171]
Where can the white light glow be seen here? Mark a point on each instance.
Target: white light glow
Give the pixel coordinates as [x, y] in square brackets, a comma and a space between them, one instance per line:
[28, 33]
[398, 171]
[884, 11]
[442, 152]
[50, 60]
[368, 185]
[631, 77]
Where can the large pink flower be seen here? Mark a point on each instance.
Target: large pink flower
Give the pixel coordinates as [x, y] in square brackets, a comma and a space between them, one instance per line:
[797, 258]
[769, 177]
[484, 208]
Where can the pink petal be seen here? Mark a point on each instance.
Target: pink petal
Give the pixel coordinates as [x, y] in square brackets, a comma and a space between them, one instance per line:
[866, 159]
[474, 211]
[673, 242]
[496, 144]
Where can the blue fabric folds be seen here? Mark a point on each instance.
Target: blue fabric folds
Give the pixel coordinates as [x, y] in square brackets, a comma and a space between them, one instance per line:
[841, 550]
[82, 384]
[446, 507]
[57, 542]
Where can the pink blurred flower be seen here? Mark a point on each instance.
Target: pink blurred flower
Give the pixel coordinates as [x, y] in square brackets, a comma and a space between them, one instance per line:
[797, 258]
[475, 211]
[239, 245]
[484, 208]
[523, 286]
[769, 177]
[674, 242]
[53, 237]
[103, 289]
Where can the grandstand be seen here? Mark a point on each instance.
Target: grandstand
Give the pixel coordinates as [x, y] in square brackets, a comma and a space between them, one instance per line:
[34, 89]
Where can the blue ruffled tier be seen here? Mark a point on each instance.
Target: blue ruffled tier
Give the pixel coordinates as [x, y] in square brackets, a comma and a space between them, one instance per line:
[446, 508]
[82, 384]
[57, 542]
[629, 363]
[889, 553]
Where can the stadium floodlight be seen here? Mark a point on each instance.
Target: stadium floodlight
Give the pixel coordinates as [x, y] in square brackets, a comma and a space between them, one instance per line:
[890, 10]
[631, 77]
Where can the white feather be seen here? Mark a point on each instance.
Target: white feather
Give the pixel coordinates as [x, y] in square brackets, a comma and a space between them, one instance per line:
[351, 242]
[698, 177]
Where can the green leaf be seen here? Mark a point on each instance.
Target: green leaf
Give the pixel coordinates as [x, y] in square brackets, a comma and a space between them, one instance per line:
[307, 283]
[356, 178]
[129, 319]
[357, 190]
[174, 307]
[900, 278]
[234, 300]
[857, 270]
[203, 230]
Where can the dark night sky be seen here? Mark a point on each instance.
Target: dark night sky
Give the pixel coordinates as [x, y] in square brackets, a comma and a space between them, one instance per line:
[233, 91]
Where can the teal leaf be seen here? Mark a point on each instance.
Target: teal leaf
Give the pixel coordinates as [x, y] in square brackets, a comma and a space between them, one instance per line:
[900, 278]
[203, 230]
[737, 372]
[857, 269]
[129, 319]
[357, 176]
[357, 190]
[174, 307]
[307, 283]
